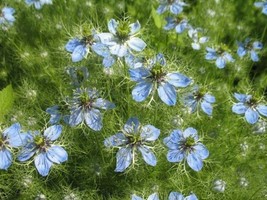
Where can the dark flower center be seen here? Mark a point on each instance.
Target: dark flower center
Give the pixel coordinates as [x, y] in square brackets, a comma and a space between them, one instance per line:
[188, 144]
[157, 73]
[88, 40]
[171, 1]
[41, 142]
[86, 102]
[252, 103]
[198, 95]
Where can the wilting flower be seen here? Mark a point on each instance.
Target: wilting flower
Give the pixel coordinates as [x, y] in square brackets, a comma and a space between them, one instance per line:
[38, 3]
[250, 107]
[122, 38]
[186, 145]
[195, 98]
[222, 57]
[153, 196]
[46, 152]
[195, 35]
[132, 137]
[156, 78]
[178, 24]
[175, 6]
[262, 5]
[179, 196]
[85, 107]
[78, 75]
[6, 16]
[249, 48]
[10, 138]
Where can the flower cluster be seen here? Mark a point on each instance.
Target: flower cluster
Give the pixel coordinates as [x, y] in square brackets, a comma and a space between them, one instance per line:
[172, 196]
[249, 48]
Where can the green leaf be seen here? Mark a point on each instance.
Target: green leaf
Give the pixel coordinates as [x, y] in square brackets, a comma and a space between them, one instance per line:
[6, 100]
[156, 18]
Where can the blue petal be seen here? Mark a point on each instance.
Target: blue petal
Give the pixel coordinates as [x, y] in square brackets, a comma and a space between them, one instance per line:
[139, 74]
[170, 23]
[11, 131]
[201, 150]
[149, 133]
[251, 116]
[176, 9]
[206, 107]
[72, 44]
[178, 80]
[262, 109]
[148, 155]
[135, 197]
[160, 59]
[136, 44]
[119, 50]
[209, 98]
[254, 56]
[172, 141]
[181, 26]
[175, 155]
[242, 97]
[211, 56]
[191, 197]
[132, 125]
[18, 140]
[108, 61]
[175, 196]
[27, 152]
[167, 94]
[5, 158]
[259, 4]
[220, 62]
[227, 57]
[79, 53]
[194, 161]
[103, 104]
[106, 38]
[55, 115]
[93, 119]
[141, 91]
[53, 132]
[239, 108]
[57, 154]
[257, 45]
[190, 102]
[43, 164]
[116, 140]
[241, 51]
[112, 26]
[124, 159]
[101, 49]
[190, 132]
[161, 9]
[76, 116]
[134, 28]
[153, 196]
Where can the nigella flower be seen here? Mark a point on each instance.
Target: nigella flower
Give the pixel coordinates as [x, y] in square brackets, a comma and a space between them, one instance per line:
[46, 152]
[103, 50]
[179, 196]
[249, 48]
[250, 107]
[153, 196]
[195, 35]
[56, 114]
[196, 97]
[178, 24]
[122, 38]
[175, 6]
[156, 78]
[186, 145]
[132, 137]
[10, 138]
[38, 3]
[6, 16]
[221, 56]
[78, 75]
[262, 5]
[85, 107]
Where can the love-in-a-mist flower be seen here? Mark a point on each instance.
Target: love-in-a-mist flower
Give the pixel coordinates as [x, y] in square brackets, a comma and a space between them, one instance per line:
[175, 6]
[249, 47]
[133, 136]
[195, 98]
[179, 196]
[85, 107]
[56, 114]
[186, 145]
[10, 138]
[178, 23]
[122, 37]
[195, 35]
[156, 78]
[250, 107]
[6, 16]
[262, 5]
[38, 4]
[222, 57]
[42, 146]
[153, 196]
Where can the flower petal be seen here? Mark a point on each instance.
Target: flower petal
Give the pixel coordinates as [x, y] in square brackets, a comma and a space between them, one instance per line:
[112, 26]
[103, 104]
[135, 197]
[239, 108]
[141, 91]
[251, 116]
[139, 74]
[79, 53]
[106, 38]
[72, 44]
[191, 197]
[153, 196]
[53, 132]
[175, 155]
[201, 150]
[241, 51]
[209, 98]
[27, 152]
[101, 49]
[194, 161]
[262, 109]
[43, 164]
[242, 97]
[116, 140]
[119, 50]
[254, 56]
[257, 45]
[149, 133]
[57, 154]
[136, 44]
[76, 116]
[220, 62]
[108, 61]
[176, 8]
[176, 196]
[206, 107]
[178, 80]
[167, 93]
[132, 125]
[11, 131]
[124, 159]
[148, 155]
[93, 119]
[134, 28]
[5, 158]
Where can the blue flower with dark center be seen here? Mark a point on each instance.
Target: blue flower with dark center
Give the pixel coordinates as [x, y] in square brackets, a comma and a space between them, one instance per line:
[46, 152]
[38, 4]
[6, 16]
[179, 196]
[179, 24]
[132, 137]
[153, 196]
[249, 48]
[156, 78]
[186, 145]
[85, 107]
[250, 107]
[222, 57]
[175, 6]
[262, 5]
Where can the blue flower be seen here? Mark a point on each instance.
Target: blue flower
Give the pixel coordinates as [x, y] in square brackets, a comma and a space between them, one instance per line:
[178, 24]
[10, 138]
[196, 97]
[46, 152]
[78, 75]
[221, 56]
[195, 35]
[38, 3]
[249, 48]
[153, 196]
[186, 145]
[103, 50]
[179, 196]
[262, 5]
[6, 16]
[121, 40]
[132, 137]
[175, 6]
[155, 78]
[56, 114]
[250, 107]
[85, 107]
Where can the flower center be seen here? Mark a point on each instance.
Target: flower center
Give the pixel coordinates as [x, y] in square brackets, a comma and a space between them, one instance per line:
[86, 102]
[157, 73]
[252, 103]
[171, 1]
[88, 40]
[198, 95]
[123, 31]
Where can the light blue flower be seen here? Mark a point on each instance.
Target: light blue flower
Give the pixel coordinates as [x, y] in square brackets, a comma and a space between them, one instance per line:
[85, 107]
[179, 24]
[195, 98]
[6, 16]
[132, 137]
[56, 114]
[186, 145]
[10, 138]
[38, 4]
[196, 35]
[122, 38]
[149, 80]
[46, 152]
[78, 75]
[249, 48]
[175, 6]
[222, 57]
[103, 50]
[153, 196]
[262, 5]
[179, 196]
[250, 107]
